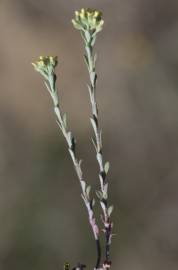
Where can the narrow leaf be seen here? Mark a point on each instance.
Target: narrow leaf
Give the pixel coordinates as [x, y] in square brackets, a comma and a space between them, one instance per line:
[93, 40]
[49, 90]
[105, 188]
[83, 184]
[88, 189]
[93, 141]
[69, 138]
[87, 36]
[93, 203]
[99, 194]
[110, 210]
[106, 167]
[65, 119]
[94, 125]
[103, 206]
[93, 77]
[94, 59]
[100, 160]
[57, 112]
[80, 162]
[101, 181]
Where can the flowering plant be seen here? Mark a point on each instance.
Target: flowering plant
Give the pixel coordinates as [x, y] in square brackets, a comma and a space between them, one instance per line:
[89, 22]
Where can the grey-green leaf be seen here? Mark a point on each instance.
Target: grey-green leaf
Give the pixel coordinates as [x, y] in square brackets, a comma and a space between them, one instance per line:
[88, 189]
[93, 202]
[106, 167]
[110, 210]
[83, 184]
[65, 119]
[94, 125]
[87, 36]
[99, 194]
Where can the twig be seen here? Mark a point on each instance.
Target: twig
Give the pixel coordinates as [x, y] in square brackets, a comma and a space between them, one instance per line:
[89, 22]
[46, 66]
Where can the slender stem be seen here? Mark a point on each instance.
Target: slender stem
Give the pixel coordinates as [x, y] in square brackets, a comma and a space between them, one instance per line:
[90, 60]
[98, 247]
[71, 142]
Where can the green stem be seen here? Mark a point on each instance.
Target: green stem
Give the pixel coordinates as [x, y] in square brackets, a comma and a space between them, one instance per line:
[71, 142]
[97, 141]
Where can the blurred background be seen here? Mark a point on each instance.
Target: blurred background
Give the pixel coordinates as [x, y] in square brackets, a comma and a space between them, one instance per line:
[43, 221]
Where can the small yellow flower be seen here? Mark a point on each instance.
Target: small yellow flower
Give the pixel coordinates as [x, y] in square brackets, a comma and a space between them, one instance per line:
[88, 19]
[45, 61]
[76, 13]
[82, 11]
[46, 64]
[96, 13]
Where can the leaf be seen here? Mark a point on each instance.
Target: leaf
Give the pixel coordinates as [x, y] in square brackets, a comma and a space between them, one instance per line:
[65, 120]
[94, 125]
[105, 191]
[94, 59]
[105, 188]
[93, 77]
[57, 112]
[76, 24]
[49, 90]
[106, 167]
[93, 141]
[101, 181]
[99, 194]
[80, 162]
[88, 51]
[78, 170]
[93, 40]
[94, 108]
[88, 189]
[100, 160]
[93, 203]
[89, 88]
[110, 210]
[103, 206]
[83, 184]
[100, 138]
[69, 138]
[91, 93]
[87, 36]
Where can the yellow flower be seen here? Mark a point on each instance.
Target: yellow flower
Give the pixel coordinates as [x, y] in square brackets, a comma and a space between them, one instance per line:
[88, 19]
[45, 65]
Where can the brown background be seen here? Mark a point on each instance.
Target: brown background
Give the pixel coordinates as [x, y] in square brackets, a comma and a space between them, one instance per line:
[42, 219]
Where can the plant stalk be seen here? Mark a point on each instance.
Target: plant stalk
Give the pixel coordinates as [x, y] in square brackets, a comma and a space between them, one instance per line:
[90, 60]
[71, 142]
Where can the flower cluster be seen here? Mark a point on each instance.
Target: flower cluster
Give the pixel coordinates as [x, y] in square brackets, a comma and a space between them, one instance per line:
[46, 65]
[88, 19]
